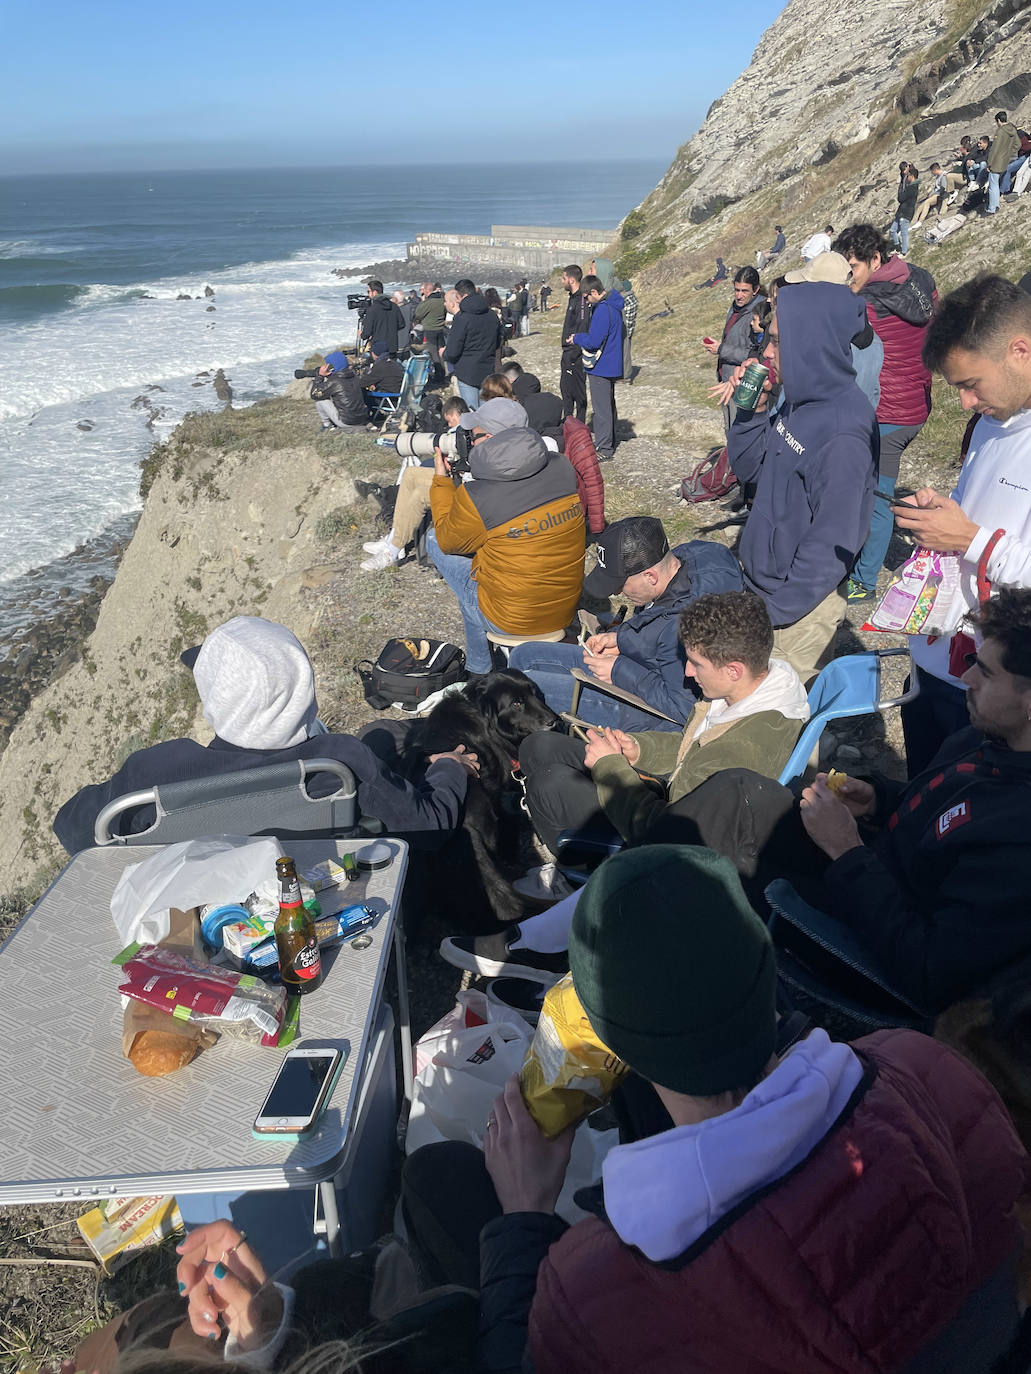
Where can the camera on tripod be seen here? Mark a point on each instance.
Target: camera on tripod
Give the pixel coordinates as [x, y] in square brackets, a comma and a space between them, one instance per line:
[358, 302]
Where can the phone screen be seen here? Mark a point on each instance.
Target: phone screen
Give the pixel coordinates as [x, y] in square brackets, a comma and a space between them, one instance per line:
[296, 1089]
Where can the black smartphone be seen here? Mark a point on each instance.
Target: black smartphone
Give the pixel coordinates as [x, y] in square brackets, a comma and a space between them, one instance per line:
[894, 497]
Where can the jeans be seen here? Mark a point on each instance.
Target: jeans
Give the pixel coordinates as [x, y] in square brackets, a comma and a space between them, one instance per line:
[469, 394]
[456, 570]
[894, 439]
[548, 665]
[1006, 184]
[899, 232]
[993, 191]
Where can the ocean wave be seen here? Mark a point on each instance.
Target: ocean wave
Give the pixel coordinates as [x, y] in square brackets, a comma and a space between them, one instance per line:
[27, 300]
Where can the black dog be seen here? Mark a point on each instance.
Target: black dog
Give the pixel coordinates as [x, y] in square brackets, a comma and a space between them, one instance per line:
[491, 718]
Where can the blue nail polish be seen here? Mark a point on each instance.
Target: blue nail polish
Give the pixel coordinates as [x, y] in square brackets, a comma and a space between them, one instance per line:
[220, 1271]
[182, 1288]
[212, 1335]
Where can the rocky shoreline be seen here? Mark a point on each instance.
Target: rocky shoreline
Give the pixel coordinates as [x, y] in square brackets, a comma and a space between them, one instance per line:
[445, 270]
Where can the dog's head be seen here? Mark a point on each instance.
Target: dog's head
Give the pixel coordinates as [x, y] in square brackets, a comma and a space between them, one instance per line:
[512, 706]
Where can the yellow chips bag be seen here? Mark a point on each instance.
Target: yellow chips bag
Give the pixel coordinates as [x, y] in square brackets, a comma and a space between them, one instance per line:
[568, 1072]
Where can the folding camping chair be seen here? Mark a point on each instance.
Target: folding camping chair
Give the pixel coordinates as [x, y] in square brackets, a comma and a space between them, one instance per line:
[417, 374]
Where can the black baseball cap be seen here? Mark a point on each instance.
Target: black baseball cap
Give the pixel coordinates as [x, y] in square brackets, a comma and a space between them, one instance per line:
[648, 545]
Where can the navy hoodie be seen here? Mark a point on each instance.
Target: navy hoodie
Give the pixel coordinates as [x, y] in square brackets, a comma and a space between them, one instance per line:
[815, 461]
[474, 340]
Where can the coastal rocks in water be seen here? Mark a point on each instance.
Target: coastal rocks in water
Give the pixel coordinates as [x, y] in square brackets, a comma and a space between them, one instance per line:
[210, 308]
[223, 390]
[184, 296]
[209, 291]
[85, 426]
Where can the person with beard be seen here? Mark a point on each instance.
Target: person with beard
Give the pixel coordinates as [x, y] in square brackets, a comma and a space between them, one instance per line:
[573, 384]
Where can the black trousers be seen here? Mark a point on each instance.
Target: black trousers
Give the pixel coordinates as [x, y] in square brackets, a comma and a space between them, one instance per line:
[573, 385]
[930, 718]
[447, 1199]
[560, 792]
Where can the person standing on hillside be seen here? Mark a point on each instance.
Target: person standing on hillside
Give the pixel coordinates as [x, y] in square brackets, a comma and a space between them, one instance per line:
[604, 337]
[899, 300]
[473, 343]
[431, 317]
[735, 345]
[815, 466]
[545, 293]
[573, 381]
[629, 321]
[382, 321]
[909, 190]
[1005, 146]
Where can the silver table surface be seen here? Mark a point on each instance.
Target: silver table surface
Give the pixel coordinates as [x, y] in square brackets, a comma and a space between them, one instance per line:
[79, 1122]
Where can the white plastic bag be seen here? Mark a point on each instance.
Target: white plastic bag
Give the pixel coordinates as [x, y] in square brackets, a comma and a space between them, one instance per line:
[470, 1011]
[454, 1093]
[226, 868]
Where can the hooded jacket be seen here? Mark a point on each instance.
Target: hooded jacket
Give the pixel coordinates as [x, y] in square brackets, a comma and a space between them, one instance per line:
[382, 322]
[605, 332]
[577, 321]
[543, 408]
[651, 657]
[900, 300]
[757, 733]
[431, 313]
[521, 519]
[474, 339]
[908, 194]
[344, 388]
[835, 1221]
[1005, 146]
[815, 461]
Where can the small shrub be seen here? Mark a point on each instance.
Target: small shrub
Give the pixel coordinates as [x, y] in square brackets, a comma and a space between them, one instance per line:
[633, 226]
[332, 527]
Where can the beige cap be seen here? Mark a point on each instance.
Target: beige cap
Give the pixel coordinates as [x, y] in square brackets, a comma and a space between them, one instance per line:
[830, 267]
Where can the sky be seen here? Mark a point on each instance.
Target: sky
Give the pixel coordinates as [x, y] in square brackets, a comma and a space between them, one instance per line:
[108, 85]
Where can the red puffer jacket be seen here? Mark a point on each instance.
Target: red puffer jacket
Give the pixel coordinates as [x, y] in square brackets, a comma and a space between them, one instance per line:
[851, 1264]
[899, 304]
[581, 453]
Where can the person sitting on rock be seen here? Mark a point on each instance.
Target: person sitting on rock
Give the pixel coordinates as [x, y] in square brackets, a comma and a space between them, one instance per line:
[385, 374]
[337, 393]
[644, 654]
[257, 693]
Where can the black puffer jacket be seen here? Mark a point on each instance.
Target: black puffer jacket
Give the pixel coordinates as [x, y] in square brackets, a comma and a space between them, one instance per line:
[383, 322]
[344, 389]
[543, 408]
[474, 339]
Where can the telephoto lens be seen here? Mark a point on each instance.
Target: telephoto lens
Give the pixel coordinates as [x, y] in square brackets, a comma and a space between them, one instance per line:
[414, 444]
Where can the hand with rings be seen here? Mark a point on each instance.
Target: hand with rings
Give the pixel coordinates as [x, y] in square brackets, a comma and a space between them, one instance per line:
[225, 1285]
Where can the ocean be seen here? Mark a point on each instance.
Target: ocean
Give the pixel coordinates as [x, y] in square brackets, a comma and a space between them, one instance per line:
[100, 359]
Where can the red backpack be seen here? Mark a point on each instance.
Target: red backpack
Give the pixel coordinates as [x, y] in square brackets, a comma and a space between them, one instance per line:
[712, 478]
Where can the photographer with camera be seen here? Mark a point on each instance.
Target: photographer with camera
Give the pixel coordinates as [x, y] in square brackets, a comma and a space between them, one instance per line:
[381, 322]
[337, 393]
[417, 451]
[521, 521]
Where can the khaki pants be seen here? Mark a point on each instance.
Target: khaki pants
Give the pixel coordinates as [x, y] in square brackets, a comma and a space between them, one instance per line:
[413, 501]
[808, 645]
[924, 208]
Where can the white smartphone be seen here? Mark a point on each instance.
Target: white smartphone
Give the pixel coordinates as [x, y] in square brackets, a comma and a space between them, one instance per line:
[300, 1091]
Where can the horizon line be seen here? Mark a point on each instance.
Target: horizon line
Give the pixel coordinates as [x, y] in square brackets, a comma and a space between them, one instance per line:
[337, 167]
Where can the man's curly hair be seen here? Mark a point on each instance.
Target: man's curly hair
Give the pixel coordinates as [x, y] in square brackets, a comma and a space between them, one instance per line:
[729, 627]
[1006, 618]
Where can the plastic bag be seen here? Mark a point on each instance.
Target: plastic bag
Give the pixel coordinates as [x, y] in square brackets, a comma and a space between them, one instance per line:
[197, 873]
[923, 597]
[228, 1002]
[469, 1012]
[568, 1071]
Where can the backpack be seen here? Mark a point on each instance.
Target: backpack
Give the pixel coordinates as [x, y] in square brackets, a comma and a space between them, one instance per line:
[408, 671]
[710, 479]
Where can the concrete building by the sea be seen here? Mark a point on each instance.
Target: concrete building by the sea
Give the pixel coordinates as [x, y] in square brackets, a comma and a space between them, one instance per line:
[531, 246]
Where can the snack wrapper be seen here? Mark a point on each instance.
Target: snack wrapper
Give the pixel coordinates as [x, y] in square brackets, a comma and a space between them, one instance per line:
[121, 1226]
[218, 998]
[921, 596]
[567, 1072]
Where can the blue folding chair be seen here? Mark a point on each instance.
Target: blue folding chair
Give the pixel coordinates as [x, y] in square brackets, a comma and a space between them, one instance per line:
[848, 686]
[413, 384]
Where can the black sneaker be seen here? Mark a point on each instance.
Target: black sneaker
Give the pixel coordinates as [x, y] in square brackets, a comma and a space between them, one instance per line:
[523, 996]
[489, 956]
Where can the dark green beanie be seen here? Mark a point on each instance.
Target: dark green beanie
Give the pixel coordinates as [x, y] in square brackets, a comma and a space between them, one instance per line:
[675, 970]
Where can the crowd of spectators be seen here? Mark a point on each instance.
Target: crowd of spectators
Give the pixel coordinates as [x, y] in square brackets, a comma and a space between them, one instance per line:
[779, 1200]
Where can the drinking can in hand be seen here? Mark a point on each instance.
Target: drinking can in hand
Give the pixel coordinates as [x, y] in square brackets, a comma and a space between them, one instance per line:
[749, 388]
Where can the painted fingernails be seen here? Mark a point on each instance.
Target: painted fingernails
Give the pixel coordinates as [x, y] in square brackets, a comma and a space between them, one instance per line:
[212, 1335]
[220, 1271]
[182, 1287]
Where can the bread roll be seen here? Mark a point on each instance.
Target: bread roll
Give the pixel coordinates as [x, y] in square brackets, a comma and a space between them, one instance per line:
[157, 1052]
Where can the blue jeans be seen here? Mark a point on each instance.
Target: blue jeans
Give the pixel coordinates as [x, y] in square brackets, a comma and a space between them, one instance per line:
[993, 191]
[894, 439]
[899, 232]
[456, 570]
[469, 394]
[1007, 177]
[548, 665]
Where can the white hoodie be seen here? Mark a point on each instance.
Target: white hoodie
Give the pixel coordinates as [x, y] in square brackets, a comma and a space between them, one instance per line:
[994, 489]
[781, 690]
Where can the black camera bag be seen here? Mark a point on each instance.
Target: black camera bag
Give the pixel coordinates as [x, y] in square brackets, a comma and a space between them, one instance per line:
[410, 670]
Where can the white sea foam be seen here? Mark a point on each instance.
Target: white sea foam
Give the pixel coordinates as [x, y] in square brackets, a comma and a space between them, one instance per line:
[63, 484]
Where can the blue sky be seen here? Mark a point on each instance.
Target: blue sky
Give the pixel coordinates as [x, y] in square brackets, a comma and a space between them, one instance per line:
[112, 85]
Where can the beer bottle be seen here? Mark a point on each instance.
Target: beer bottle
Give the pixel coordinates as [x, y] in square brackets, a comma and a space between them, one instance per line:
[300, 965]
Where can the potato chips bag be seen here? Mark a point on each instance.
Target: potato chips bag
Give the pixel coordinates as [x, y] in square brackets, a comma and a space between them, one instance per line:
[567, 1072]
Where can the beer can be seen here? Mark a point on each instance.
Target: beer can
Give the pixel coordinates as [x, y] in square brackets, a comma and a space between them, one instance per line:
[749, 388]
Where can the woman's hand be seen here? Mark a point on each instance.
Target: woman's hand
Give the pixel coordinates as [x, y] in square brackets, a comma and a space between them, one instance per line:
[225, 1283]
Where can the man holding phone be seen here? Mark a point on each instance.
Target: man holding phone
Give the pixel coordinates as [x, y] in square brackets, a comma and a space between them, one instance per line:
[980, 342]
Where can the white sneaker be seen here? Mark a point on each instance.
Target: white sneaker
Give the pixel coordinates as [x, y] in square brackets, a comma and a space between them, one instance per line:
[544, 884]
[374, 545]
[384, 558]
